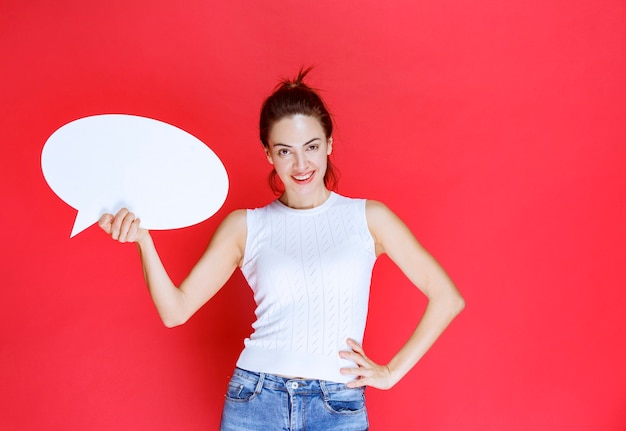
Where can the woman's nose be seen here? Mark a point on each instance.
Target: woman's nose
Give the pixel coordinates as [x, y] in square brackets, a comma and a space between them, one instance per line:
[301, 162]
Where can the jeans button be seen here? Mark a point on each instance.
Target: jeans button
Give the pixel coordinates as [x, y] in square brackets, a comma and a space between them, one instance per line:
[294, 385]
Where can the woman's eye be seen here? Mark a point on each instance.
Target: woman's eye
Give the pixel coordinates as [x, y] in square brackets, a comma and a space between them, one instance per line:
[283, 152]
[312, 147]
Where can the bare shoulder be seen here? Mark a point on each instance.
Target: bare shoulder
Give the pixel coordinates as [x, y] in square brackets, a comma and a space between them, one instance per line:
[233, 226]
[235, 220]
[230, 236]
[379, 216]
[386, 227]
[376, 210]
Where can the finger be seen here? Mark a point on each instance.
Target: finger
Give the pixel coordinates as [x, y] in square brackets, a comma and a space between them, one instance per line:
[357, 383]
[105, 222]
[133, 233]
[117, 223]
[355, 357]
[359, 373]
[356, 347]
[126, 225]
[363, 368]
[375, 377]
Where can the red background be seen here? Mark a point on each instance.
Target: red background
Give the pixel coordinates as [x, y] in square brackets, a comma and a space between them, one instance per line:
[495, 129]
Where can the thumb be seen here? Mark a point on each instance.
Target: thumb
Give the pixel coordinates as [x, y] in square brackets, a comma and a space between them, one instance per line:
[105, 222]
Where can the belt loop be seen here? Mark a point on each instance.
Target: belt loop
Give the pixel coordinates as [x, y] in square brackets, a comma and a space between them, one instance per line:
[324, 390]
[259, 385]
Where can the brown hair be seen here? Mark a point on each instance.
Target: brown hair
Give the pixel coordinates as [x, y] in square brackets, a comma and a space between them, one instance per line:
[293, 97]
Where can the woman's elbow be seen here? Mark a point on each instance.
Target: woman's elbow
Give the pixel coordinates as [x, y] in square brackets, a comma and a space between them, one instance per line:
[173, 321]
[450, 302]
[458, 304]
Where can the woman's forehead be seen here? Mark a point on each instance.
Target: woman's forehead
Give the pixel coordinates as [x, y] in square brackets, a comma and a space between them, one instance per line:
[296, 130]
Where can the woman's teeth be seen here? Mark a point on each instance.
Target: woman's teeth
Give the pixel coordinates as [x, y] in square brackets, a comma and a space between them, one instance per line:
[303, 177]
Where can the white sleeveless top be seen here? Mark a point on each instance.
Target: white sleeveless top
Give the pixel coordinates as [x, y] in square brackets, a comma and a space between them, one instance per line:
[310, 271]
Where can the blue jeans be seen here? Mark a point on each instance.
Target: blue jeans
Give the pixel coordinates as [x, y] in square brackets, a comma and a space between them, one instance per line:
[265, 402]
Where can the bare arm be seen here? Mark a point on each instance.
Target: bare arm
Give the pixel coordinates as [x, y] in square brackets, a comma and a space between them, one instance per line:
[394, 238]
[177, 304]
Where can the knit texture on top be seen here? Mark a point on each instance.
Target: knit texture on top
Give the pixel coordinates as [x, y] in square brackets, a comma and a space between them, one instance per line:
[310, 271]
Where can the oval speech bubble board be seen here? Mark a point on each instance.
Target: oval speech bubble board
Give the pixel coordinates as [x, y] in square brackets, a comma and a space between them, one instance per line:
[166, 176]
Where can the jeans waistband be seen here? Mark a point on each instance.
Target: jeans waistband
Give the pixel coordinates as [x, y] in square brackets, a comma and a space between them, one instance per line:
[288, 383]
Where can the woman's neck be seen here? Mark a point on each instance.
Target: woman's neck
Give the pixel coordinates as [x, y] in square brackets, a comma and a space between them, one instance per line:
[305, 201]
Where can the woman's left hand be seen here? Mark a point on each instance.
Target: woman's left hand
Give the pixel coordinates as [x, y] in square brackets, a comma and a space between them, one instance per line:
[368, 373]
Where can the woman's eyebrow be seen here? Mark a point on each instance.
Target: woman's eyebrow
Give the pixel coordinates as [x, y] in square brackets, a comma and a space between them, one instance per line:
[278, 144]
[308, 142]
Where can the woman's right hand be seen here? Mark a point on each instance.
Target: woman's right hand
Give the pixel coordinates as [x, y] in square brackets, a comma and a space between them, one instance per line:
[123, 226]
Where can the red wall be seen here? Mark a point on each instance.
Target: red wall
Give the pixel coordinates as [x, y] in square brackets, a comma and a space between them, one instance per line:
[496, 129]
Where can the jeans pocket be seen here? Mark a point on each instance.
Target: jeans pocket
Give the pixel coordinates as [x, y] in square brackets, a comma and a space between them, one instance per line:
[241, 389]
[344, 400]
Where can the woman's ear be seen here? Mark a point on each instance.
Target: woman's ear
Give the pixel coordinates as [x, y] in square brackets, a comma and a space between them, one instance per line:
[329, 150]
[268, 155]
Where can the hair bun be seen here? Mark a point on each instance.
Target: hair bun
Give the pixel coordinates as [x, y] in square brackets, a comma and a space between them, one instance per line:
[298, 82]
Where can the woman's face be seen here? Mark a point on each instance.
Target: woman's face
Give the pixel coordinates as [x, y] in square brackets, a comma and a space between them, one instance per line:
[299, 151]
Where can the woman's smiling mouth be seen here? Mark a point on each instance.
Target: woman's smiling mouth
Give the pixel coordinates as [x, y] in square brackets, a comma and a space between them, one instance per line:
[303, 178]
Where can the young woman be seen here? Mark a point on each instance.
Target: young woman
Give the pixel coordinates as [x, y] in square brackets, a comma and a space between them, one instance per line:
[308, 257]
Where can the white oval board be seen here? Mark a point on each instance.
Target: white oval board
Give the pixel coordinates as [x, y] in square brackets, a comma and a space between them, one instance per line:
[166, 176]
